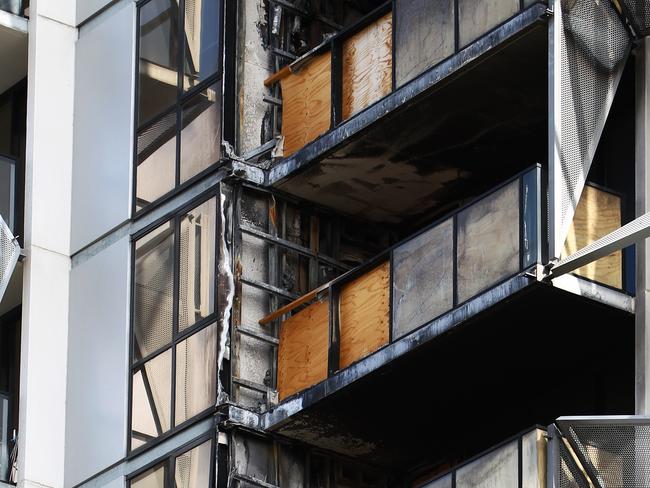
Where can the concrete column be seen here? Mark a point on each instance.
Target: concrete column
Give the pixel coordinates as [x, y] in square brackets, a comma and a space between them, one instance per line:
[52, 37]
[642, 178]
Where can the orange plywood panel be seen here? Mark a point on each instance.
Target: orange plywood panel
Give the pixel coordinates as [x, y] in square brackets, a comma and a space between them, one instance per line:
[367, 65]
[363, 319]
[303, 350]
[306, 103]
[598, 213]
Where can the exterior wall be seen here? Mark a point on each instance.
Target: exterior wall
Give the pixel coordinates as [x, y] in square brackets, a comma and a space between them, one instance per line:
[47, 245]
[103, 123]
[97, 386]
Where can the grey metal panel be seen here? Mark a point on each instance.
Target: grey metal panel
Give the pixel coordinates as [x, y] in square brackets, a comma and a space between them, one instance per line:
[424, 36]
[499, 469]
[533, 459]
[587, 67]
[488, 241]
[445, 482]
[477, 17]
[423, 278]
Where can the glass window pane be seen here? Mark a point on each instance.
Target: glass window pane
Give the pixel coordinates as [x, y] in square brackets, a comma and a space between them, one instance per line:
[158, 66]
[152, 478]
[156, 172]
[201, 132]
[193, 467]
[154, 290]
[423, 283]
[488, 241]
[202, 33]
[151, 399]
[196, 373]
[197, 265]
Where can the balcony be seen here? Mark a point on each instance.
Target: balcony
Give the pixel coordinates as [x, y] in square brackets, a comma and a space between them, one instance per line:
[458, 310]
[440, 115]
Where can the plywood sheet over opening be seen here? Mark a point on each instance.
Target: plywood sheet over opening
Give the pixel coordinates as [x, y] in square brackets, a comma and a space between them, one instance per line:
[303, 350]
[368, 65]
[306, 103]
[364, 309]
[598, 213]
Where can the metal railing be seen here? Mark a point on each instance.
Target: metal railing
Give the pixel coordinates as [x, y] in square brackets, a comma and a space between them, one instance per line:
[457, 22]
[506, 221]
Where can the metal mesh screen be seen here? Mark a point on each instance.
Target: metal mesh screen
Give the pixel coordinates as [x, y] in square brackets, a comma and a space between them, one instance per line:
[568, 474]
[619, 455]
[154, 136]
[638, 13]
[594, 45]
[9, 252]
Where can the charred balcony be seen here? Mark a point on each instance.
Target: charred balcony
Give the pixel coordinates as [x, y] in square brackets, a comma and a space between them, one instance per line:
[453, 100]
[452, 317]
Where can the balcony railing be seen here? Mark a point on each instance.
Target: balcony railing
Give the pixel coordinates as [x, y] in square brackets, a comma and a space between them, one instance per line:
[16, 7]
[519, 462]
[429, 274]
[384, 51]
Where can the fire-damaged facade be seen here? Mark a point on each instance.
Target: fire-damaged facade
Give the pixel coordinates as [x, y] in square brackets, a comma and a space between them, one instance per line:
[328, 244]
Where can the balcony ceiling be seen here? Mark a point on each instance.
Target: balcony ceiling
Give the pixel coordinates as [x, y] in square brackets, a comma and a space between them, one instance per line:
[456, 140]
[541, 354]
[13, 49]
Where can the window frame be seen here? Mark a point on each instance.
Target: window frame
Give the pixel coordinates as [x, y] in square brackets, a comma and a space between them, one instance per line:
[182, 97]
[169, 460]
[177, 337]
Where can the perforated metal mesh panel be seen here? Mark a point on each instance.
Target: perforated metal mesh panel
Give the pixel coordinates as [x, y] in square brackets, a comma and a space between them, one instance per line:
[638, 13]
[594, 45]
[9, 253]
[619, 455]
[568, 474]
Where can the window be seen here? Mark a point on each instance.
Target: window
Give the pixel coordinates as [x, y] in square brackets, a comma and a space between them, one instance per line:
[174, 329]
[178, 116]
[192, 468]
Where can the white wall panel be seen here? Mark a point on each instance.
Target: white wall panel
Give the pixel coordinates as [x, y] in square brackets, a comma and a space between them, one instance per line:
[103, 124]
[97, 362]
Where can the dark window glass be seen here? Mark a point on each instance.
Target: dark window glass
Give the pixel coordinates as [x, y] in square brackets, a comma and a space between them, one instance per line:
[152, 478]
[201, 132]
[151, 399]
[156, 171]
[201, 41]
[158, 63]
[196, 373]
[154, 290]
[197, 264]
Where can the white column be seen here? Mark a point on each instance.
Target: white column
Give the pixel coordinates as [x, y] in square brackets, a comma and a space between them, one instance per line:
[52, 37]
[642, 178]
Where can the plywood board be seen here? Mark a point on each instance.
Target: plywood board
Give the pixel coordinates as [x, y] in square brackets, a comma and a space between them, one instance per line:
[488, 241]
[424, 36]
[423, 281]
[598, 213]
[367, 65]
[303, 350]
[306, 103]
[363, 315]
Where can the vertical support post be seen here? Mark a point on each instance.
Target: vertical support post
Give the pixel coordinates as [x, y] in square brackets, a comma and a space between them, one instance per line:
[642, 190]
[554, 131]
[337, 82]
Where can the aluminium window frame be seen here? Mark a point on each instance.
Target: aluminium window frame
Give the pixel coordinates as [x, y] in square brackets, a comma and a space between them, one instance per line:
[182, 97]
[169, 460]
[177, 337]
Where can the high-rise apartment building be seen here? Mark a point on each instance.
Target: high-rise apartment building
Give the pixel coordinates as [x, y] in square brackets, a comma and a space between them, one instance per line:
[324, 243]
